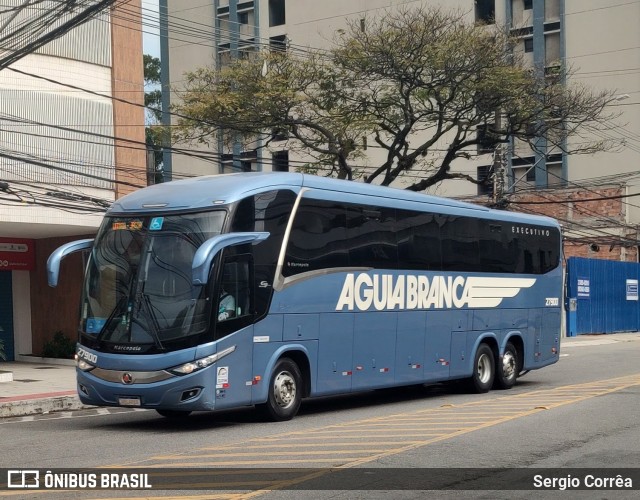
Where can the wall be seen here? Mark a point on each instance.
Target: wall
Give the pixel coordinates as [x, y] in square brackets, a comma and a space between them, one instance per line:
[128, 85]
[590, 227]
[54, 309]
[603, 301]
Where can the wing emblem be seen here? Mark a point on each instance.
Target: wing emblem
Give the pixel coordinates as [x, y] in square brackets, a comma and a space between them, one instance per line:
[489, 292]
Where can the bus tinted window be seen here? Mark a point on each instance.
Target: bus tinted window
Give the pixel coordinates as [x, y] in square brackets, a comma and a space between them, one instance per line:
[318, 238]
[460, 247]
[371, 237]
[419, 245]
[327, 235]
[270, 212]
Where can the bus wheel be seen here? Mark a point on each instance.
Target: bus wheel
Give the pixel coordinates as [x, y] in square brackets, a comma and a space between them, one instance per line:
[507, 368]
[483, 369]
[285, 391]
[174, 413]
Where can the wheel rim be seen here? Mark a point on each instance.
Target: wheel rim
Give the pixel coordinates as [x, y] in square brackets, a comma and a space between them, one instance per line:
[284, 389]
[484, 368]
[508, 365]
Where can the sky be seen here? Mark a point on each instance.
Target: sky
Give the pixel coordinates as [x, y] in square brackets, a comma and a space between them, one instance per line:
[151, 29]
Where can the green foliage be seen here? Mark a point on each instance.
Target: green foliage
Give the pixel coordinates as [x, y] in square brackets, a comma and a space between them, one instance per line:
[154, 134]
[418, 82]
[59, 347]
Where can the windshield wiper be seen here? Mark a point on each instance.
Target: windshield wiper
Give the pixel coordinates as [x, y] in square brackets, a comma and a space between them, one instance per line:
[143, 304]
[106, 328]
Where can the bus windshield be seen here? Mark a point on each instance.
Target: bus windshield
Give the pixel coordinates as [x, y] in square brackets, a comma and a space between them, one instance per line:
[138, 287]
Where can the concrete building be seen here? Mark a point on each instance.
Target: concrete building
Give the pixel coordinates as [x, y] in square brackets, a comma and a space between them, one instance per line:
[71, 141]
[553, 33]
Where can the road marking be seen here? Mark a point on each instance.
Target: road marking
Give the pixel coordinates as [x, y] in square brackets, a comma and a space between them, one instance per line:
[426, 426]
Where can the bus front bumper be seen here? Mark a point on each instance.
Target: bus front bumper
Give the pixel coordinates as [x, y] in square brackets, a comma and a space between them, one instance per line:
[164, 390]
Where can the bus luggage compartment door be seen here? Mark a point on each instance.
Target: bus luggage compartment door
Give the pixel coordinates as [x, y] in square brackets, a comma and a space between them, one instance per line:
[374, 349]
[335, 353]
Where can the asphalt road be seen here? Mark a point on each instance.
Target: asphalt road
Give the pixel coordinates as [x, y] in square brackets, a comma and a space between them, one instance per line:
[583, 412]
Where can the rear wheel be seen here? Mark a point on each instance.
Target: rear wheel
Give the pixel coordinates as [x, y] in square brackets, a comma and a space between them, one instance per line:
[507, 368]
[174, 413]
[285, 391]
[483, 370]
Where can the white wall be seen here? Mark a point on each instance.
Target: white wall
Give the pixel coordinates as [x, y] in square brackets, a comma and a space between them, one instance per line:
[21, 312]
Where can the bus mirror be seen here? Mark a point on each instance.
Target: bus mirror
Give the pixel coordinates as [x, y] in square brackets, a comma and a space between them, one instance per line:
[204, 255]
[53, 262]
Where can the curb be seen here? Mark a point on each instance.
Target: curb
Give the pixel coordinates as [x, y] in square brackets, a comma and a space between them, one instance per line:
[21, 408]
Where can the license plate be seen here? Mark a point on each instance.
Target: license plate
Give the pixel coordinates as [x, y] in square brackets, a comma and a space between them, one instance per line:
[129, 401]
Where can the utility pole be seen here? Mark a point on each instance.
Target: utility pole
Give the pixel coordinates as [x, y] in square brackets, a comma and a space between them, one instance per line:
[499, 163]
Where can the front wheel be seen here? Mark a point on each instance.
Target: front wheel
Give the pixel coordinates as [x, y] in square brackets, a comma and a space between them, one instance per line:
[285, 391]
[507, 368]
[483, 370]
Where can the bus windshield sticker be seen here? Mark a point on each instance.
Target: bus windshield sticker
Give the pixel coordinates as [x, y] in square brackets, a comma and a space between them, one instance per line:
[134, 225]
[156, 224]
[94, 325]
[222, 377]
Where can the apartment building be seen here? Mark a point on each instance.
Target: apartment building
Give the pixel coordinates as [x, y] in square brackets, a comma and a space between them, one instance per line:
[71, 141]
[553, 33]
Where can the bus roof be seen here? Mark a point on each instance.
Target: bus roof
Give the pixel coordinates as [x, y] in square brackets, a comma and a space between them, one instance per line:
[219, 190]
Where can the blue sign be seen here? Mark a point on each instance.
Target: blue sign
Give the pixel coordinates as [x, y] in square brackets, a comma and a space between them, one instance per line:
[94, 325]
[156, 224]
[584, 288]
[632, 289]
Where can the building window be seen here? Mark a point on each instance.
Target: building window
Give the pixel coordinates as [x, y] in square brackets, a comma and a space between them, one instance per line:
[280, 161]
[524, 167]
[528, 45]
[485, 11]
[243, 17]
[279, 135]
[278, 43]
[485, 135]
[276, 12]
[528, 4]
[484, 174]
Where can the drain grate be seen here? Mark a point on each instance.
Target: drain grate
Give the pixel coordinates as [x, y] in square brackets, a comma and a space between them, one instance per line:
[27, 380]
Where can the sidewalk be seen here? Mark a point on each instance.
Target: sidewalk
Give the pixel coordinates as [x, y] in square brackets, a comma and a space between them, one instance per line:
[38, 388]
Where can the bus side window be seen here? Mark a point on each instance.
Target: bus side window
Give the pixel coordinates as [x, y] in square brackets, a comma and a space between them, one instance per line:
[235, 297]
[318, 238]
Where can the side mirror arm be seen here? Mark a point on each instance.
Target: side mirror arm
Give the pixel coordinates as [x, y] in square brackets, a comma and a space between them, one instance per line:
[53, 262]
[207, 251]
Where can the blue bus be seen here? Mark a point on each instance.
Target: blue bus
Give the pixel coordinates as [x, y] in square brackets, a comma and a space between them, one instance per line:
[261, 289]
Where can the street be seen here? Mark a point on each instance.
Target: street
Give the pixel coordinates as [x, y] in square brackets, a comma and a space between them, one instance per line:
[580, 413]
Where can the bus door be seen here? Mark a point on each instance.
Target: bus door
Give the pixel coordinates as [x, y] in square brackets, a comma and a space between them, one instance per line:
[234, 330]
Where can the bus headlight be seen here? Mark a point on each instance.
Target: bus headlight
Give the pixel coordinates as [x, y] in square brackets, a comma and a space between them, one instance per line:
[83, 365]
[199, 364]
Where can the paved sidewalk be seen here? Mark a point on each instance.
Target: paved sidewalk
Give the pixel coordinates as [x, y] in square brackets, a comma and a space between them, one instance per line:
[38, 388]
[28, 388]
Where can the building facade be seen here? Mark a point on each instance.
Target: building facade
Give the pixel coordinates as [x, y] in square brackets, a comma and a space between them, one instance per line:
[71, 141]
[553, 34]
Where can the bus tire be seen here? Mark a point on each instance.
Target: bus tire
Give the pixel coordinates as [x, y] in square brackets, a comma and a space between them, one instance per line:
[507, 368]
[174, 413]
[483, 370]
[285, 391]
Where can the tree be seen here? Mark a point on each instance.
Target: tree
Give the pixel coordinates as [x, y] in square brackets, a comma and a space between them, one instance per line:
[421, 82]
[155, 135]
